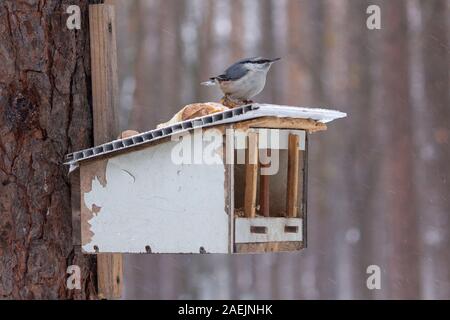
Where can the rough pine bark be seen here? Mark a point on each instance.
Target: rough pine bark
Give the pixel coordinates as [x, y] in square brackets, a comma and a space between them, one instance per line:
[45, 113]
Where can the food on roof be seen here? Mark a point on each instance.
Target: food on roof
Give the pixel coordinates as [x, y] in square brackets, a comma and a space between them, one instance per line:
[127, 134]
[230, 103]
[194, 110]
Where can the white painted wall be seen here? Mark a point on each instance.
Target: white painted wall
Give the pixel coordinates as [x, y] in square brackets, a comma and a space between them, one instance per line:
[148, 200]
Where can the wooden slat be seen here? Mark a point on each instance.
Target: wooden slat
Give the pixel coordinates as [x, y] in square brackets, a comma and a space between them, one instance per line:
[105, 95]
[251, 175]
[304, 214]
[264, 189]
[292, 176]
[301, 186]
[105, 92]
[282, 123]
[228, 157]
[261, 247]
[109, 273]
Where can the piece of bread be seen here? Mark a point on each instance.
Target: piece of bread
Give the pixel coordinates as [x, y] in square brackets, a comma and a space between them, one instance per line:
[194, 110]
[127, 134]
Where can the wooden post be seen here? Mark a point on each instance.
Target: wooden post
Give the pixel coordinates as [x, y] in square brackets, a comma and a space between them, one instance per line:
[109, 275]
[292, 176]
[264, 189]
[105, 94]
[305, 194]
[251, 175]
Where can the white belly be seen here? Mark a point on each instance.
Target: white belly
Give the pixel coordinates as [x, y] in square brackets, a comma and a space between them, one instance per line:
[245, 88]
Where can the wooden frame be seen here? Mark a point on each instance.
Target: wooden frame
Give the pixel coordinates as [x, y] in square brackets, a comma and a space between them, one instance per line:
[296, 158]
[264, 189]
[292, 177]
[251, 175]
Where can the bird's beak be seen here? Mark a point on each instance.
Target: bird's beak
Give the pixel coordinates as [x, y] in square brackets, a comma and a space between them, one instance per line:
[273, 60]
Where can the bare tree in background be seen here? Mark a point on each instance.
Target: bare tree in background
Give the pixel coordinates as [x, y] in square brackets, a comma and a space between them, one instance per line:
[433, 154]
[401, 219]
[377, 181]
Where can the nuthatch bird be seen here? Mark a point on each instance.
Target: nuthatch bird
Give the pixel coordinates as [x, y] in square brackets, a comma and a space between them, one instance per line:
[244, 79]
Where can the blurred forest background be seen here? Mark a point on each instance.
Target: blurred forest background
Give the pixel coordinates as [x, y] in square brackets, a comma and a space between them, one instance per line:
[379, 180]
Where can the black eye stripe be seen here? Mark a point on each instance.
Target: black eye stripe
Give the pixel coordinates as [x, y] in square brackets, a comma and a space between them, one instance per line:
[257, 61]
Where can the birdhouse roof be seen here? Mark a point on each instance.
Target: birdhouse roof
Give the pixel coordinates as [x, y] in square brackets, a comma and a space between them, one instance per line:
[234, 115]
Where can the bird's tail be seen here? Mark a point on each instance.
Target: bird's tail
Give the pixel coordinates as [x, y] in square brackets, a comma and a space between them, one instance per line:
[210, 82]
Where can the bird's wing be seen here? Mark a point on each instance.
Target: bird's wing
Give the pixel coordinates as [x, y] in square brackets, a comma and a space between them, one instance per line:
[235, 72]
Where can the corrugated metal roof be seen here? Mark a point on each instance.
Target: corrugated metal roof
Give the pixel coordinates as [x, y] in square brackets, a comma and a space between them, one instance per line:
[246, 112]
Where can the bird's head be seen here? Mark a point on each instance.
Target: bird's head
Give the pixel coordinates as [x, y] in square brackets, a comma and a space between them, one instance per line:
[259, 63]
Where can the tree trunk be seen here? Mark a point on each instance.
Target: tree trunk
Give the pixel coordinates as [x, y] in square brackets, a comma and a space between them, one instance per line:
[45, 113]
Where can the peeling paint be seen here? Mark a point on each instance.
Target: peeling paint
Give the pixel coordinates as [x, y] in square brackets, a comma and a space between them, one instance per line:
[91, 173]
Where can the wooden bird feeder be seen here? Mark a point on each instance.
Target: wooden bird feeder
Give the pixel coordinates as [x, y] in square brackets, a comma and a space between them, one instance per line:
[229, 182]
[130, 196]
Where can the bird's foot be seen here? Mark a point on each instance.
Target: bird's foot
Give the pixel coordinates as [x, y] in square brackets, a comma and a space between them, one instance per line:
[247, 101]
